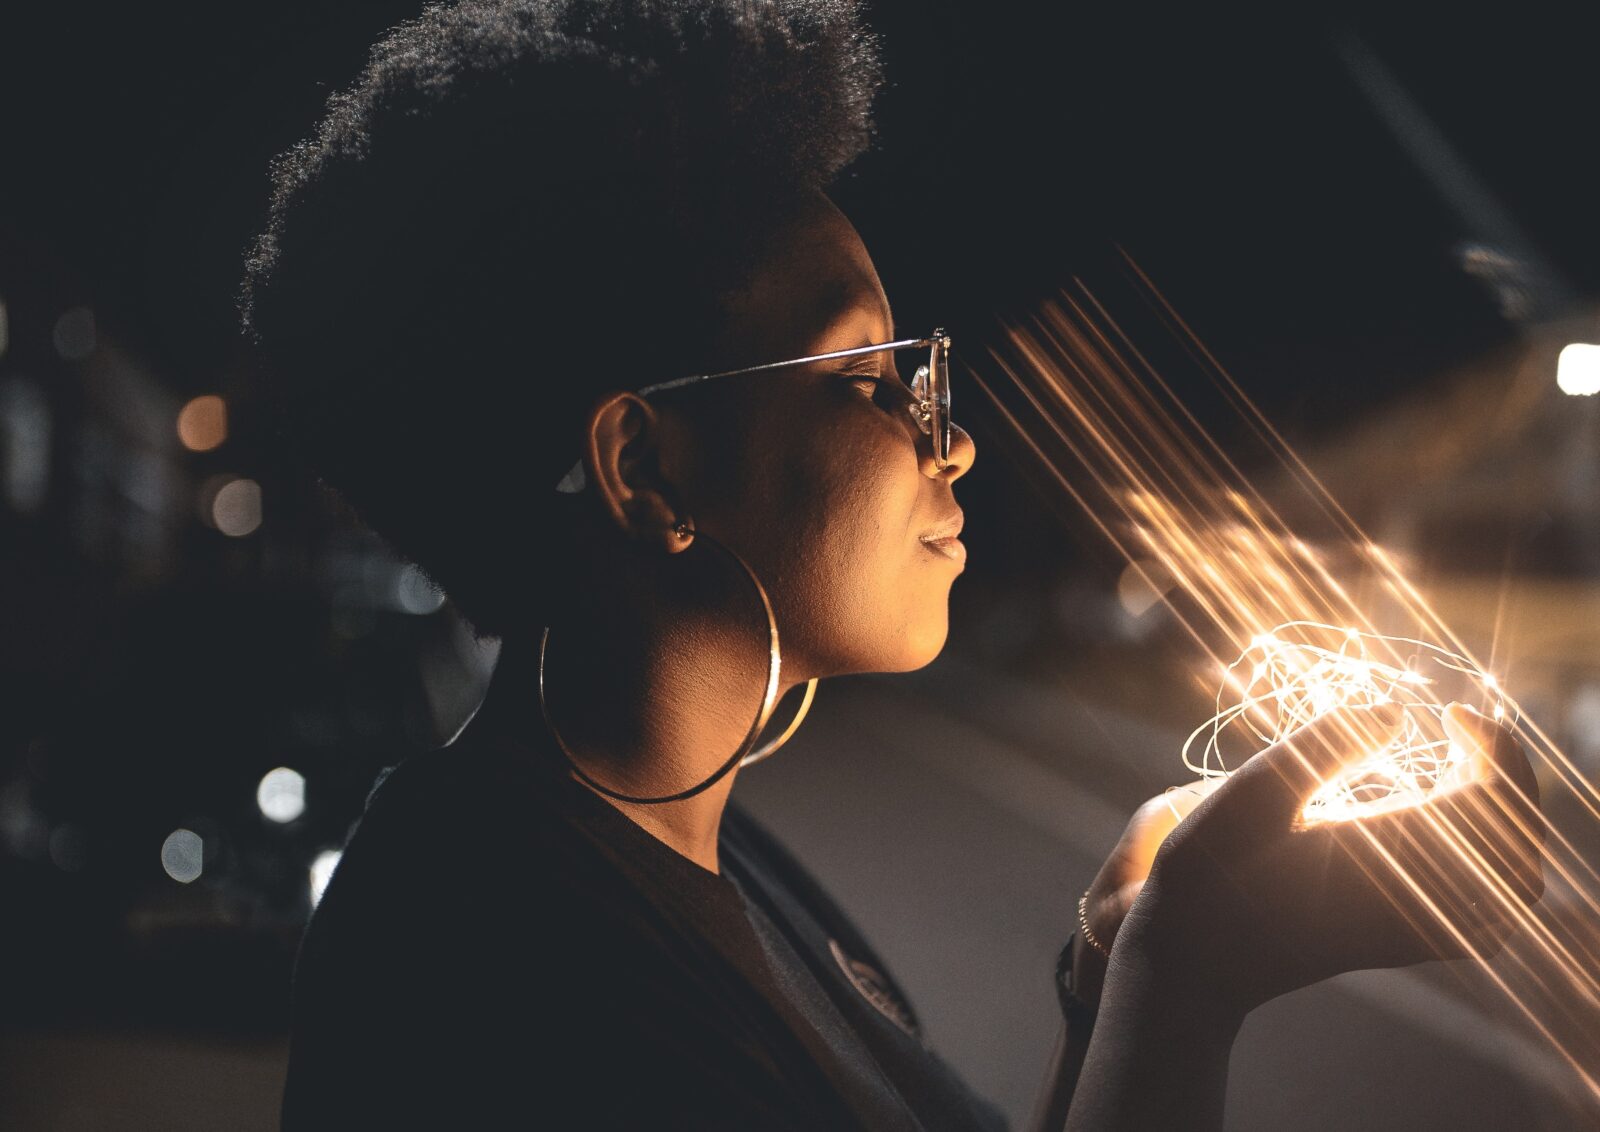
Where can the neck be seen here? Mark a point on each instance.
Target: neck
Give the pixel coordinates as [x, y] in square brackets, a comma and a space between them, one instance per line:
[646, 712]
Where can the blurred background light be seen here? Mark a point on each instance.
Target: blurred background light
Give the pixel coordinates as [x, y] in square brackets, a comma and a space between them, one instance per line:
[1583, 724]
[203, 423]
[183, 855]
[236, 508]
[321, 872]
[1578, 369]
[282, 794]
[415, 593]
[74, 334]
[1141, 585]
[24, 444]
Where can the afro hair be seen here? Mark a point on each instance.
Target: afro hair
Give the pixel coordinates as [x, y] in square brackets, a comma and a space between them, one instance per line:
[519, 205]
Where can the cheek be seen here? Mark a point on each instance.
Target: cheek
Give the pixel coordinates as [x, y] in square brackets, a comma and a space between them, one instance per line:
[850, 591]
[827, 516]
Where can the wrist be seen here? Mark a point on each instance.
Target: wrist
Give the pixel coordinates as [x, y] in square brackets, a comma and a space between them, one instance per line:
[1159, 1058]
[1079, 1004]
[1088, 971]
[1149, 968]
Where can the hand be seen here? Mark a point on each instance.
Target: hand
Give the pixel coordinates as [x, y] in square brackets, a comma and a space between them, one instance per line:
[1121, 878]
[1246, 903]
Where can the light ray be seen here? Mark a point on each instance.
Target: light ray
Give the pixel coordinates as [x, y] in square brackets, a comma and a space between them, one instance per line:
[1290, 639]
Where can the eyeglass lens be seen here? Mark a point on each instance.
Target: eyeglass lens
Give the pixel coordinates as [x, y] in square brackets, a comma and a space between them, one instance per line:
[931, 385]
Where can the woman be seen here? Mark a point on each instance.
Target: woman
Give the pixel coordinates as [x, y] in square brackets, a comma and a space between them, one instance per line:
[482, 284]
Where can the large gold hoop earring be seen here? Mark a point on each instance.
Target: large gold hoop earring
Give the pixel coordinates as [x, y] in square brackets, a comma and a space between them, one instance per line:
[741, 757]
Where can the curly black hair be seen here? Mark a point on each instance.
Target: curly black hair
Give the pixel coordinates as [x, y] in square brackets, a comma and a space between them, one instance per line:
[520, 204]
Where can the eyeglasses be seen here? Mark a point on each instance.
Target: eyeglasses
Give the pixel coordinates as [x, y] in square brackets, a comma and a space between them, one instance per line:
[926, 391]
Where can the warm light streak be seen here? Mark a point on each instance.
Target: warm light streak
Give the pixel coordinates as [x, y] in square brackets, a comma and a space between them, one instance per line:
[1290, 626]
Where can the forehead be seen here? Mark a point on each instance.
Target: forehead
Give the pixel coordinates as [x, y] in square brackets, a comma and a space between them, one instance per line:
[816, 290]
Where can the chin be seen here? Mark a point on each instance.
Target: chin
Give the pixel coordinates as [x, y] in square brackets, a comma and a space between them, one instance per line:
[922, 644]
[880, 644]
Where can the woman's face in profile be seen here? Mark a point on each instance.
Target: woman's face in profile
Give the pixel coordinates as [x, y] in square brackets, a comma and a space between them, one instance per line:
[821, 480]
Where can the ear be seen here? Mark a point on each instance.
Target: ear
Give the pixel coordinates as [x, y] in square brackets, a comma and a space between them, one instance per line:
[623, 436]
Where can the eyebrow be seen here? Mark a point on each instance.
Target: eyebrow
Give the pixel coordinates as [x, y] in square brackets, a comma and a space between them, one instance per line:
[838, 299]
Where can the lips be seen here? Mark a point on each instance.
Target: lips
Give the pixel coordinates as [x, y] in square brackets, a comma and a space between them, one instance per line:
[944, 538]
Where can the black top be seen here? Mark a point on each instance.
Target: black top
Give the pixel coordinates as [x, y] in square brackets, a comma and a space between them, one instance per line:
[501, 947]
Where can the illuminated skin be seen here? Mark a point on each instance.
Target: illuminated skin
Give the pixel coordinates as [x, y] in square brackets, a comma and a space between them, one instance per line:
[826, 491]
[818, 479]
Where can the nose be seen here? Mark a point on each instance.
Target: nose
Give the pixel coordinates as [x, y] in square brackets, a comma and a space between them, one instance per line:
[962, 453]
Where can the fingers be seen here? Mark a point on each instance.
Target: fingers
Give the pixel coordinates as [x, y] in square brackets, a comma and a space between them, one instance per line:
[1493, 746]
[1274, 785]
[1180, 800]
[1161, 815]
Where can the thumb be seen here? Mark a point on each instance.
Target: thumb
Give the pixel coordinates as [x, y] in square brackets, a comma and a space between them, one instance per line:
[1492, 748]
[1276, 783]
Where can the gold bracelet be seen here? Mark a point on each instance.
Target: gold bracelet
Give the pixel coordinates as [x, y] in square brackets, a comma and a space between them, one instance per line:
[1083, 927]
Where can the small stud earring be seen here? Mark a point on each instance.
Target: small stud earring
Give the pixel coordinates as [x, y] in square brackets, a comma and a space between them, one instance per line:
[682, 529]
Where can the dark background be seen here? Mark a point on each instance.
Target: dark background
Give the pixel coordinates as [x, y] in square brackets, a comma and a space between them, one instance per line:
[1343, 261]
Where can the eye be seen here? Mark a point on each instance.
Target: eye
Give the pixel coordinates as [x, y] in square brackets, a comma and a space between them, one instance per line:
[879, 390]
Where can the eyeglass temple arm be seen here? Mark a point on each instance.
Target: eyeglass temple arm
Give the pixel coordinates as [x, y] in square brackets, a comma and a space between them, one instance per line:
[903, 344]
[573, 481]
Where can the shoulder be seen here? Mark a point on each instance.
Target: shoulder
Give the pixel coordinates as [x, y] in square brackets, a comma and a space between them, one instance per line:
[478, 942]
[457, 841]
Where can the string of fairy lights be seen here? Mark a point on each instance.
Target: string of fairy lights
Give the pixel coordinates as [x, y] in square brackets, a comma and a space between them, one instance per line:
[1289, 637]
[1303, 670]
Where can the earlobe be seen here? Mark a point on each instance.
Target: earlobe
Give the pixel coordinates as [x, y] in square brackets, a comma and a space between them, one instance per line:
[623, 460]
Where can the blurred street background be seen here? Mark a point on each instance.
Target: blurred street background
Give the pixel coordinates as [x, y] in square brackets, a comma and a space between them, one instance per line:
[1384, 227]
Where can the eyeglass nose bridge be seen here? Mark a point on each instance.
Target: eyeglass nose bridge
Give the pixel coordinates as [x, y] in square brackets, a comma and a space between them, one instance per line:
[921, 405]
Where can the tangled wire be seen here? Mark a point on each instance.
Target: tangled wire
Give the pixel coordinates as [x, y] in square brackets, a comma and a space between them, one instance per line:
[1305, 669]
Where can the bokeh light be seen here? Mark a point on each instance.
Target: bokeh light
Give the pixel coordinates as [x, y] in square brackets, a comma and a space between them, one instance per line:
[183, 855]
[236, 508]
[25, 438]
[1578, 369]
[281, 794]
[321, 872]
[415, 593]
[203, 423]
